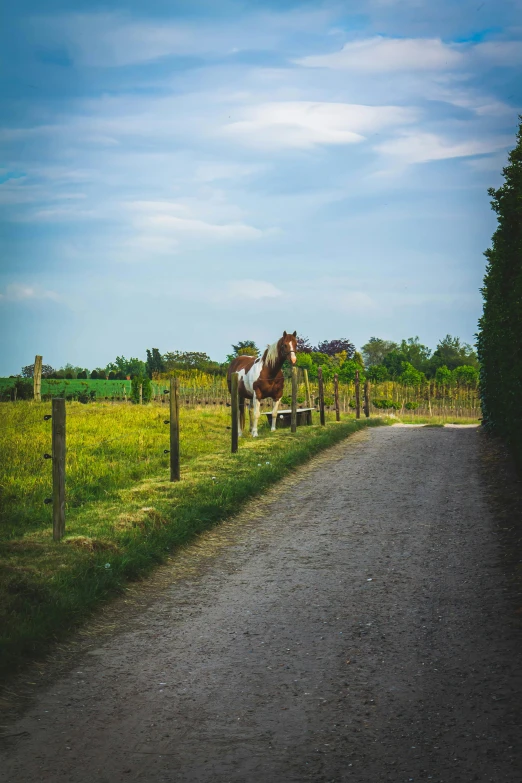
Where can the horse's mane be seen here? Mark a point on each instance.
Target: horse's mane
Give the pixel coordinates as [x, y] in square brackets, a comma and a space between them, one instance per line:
[271, 353]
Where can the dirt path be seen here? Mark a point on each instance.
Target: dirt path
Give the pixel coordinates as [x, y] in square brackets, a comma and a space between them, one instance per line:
[356, 627]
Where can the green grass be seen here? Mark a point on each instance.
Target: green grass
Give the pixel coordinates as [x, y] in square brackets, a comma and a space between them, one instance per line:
[123, 514]
[435, 420]
[62, 386]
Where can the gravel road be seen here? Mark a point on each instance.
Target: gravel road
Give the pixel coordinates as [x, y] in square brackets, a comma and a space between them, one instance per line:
[355, 625]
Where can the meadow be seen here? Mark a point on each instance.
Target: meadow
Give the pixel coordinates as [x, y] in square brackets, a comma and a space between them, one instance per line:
[123, 514]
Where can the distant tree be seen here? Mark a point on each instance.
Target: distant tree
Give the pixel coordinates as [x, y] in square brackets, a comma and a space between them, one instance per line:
[347, 372]
[112, 376]
[466, 376]
[443, 375]
[304, 360]
[331, 347]
[94, 375]
[82, 374]
[243, 348]
[357, 357]
[102, 375]
[452, 353]
[189, 360]
[154, 363]
[377, 373]
[410, 376]
[376, 349]
[68, 375]
[126, 367]
[415, 353]
[393, 362]
[28, 371]
[304, 345]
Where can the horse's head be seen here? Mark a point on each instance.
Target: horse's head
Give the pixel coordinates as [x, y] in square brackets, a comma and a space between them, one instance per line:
[288, 346]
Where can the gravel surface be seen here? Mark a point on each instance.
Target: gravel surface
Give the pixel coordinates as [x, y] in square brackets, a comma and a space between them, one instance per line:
[355, 625]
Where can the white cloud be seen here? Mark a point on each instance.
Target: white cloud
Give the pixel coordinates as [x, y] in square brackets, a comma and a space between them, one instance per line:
[389, 54]
[202, 229]
[304, 124]
[16, 292]
[500, 52]
[252, 289]
[420, 147]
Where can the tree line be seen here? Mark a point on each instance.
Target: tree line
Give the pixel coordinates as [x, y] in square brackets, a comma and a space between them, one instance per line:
[408, 362]
[500, 327]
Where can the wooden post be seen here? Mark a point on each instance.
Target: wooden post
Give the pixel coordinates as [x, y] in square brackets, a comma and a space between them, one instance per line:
[336, 393]
[58, 455]
[293, 418]
[37, 378]
[309, 400]
[141, 394]
[367, 399]
[321, 395]
[234, 409]
[357, 395]
[174, 430]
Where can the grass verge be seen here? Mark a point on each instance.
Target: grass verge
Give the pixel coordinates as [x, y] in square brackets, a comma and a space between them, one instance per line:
[48, 588]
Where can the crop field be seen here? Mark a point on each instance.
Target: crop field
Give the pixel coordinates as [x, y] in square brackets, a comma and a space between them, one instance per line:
[123, 514]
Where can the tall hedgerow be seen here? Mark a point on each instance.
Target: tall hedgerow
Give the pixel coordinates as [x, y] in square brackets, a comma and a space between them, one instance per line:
[500, 328]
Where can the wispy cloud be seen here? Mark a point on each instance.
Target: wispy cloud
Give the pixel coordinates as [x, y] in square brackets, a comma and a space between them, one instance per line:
[389, 54]
[306, 123]
[421, 147]
[18, 292]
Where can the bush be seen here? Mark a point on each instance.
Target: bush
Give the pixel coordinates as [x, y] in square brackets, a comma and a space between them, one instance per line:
[383, 404]
[135, 389]
[286, 399]
[411, 406]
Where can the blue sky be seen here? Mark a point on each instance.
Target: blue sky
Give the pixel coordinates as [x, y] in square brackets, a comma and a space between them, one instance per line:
[183, 177]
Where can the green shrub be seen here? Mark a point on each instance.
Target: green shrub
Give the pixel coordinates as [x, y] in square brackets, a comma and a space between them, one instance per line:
[286, 399]
[135, 389]
[411, 406]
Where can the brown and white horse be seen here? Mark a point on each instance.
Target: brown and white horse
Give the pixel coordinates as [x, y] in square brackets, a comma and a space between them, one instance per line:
[262, 378]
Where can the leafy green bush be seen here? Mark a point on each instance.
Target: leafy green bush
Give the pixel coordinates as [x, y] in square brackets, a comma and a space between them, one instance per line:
[286, 399]
[411, 406]
[383, 404]
[146, 389]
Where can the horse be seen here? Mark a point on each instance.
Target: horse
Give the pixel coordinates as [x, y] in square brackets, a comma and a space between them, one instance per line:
[261, 378]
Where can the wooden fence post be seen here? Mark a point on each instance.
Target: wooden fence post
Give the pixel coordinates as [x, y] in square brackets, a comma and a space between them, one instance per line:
[357, 395]
[336, 394]
[293, 417]
[309, 401]
[141, 394]
[37, 378]
[321, 395]
[234, 409]
[367, 399]
[58, 456]
[174, 430]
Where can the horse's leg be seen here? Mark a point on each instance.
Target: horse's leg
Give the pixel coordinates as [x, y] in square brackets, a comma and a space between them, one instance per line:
[274, 414]
[239, 425]
[251, 414]
[257, 412]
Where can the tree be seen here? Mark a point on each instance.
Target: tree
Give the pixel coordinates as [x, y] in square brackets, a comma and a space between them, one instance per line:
[144, 382]
[245, 348]
[415, 353]
[500, 327]
[94, 375]
[28, 371]
[452, 353]
[154, 363]
[443, 375]
[466, 376]
[347, 372]
[331, 347]
[189, 360]
[376, 349]
[393, 362]
[127, 367]
[304, 345]
[410, 376]
[377, 373]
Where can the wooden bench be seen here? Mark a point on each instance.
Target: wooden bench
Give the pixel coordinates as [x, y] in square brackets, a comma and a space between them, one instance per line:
[284, 418]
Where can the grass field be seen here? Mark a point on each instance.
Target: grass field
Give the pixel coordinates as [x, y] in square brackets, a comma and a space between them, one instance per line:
[123, 514]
